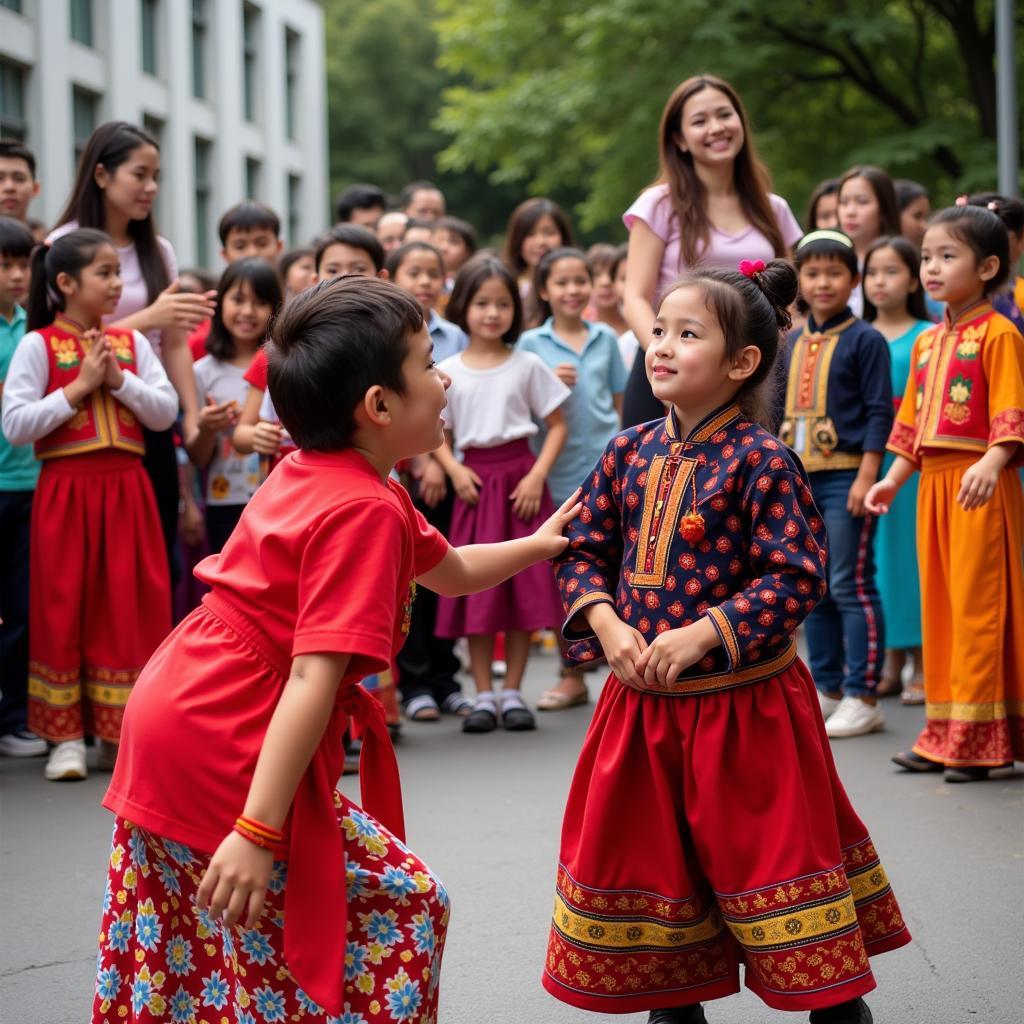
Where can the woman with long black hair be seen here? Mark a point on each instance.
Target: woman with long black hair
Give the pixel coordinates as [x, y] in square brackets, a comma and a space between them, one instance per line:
[115, 186]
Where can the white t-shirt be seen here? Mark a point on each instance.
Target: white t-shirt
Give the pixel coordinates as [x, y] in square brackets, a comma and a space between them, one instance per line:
[501, 404]
[232, 478]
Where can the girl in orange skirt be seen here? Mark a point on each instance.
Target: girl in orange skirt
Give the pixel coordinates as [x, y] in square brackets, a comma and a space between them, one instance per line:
[706, 828]
[962, 424]
[100, 591]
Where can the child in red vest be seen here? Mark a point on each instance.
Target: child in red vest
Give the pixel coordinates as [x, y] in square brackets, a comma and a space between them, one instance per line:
[100, 592]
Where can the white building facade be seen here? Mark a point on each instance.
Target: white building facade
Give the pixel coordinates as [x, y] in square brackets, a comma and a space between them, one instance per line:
[234, 90]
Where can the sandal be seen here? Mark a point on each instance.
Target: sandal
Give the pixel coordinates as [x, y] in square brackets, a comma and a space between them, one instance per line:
[913, 693]
[555, 700]
[457, 704]
[483, 718]
[422, 708]
[517, 718]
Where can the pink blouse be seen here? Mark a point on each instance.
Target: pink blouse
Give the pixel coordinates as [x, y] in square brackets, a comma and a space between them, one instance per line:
[654, 208]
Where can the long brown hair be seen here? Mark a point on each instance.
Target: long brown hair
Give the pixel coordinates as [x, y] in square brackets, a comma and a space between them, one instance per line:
[686, 190]
[111, 145]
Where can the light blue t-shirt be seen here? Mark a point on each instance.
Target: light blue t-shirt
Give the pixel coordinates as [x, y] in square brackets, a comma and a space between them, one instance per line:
[448, 338]
[590, 410]
[19, 468]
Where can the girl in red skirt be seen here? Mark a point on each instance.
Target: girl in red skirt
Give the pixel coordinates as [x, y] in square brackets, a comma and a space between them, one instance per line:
[706, 826]
[100, 592]
[498, 394]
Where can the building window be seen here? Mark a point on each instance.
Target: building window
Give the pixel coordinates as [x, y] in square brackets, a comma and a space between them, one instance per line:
[199, 36]
[294, 208]
[292, 56]
[253, 174]
[203, 178]
[12, 5]
[12, 101]
[250, 57]
[149, 12]
[84, 106]
[81, 21]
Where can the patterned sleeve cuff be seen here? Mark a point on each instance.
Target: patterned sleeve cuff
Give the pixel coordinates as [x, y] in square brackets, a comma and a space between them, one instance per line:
[730, 642]
[593, 597]
[901, 442]
[1007, 427]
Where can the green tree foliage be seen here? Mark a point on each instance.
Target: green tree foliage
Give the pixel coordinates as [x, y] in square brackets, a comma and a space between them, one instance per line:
[566, 95]
[384, 90]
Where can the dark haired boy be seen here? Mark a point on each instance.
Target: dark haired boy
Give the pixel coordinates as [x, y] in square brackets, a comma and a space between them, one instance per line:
[349, 250]
[249, 229]
[18, 185]
[238, 718]
[838, 416]
[361, 204]
[19, 472]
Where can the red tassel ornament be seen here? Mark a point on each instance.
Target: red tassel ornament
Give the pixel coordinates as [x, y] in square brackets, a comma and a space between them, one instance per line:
[691, 526]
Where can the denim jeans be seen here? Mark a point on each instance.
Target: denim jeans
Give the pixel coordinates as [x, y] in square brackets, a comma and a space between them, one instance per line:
[846, 632]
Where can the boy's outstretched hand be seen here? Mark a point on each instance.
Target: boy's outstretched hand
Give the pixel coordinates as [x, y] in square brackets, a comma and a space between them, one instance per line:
[549, 533]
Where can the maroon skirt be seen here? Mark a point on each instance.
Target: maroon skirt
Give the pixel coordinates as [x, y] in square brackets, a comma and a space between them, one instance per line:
[527, 601]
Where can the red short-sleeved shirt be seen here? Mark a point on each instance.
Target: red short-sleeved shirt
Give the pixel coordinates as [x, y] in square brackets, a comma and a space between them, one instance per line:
[321, 561]
[256, 375]
[197, 340]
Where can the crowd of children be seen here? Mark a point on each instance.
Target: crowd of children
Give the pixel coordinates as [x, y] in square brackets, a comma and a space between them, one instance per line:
[771, 482]
[521, 431]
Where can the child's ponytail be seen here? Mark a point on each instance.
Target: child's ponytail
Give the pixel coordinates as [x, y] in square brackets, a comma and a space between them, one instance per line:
[40, 310]
[67, 255]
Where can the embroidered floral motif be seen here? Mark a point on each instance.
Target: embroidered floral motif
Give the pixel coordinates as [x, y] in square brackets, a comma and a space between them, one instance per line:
[956, 409]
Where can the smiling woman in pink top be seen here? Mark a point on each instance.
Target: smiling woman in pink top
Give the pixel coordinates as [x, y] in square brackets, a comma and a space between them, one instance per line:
[710, 206]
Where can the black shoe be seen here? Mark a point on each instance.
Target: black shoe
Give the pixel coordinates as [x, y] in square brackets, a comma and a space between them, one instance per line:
[965, 774]
[915, 762]
[693, 1014]
[516, 718]
[483, 718]
[853, 1012]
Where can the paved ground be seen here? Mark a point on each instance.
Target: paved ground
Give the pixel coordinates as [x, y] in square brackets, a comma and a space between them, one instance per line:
[484, 812]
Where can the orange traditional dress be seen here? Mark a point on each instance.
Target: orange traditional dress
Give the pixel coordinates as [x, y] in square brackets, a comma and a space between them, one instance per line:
[965, 393]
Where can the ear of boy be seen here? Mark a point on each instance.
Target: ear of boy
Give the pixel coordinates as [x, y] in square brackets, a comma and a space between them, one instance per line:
[375, 407]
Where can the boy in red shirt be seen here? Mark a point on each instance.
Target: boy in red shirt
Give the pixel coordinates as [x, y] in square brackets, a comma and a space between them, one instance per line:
[239, 876]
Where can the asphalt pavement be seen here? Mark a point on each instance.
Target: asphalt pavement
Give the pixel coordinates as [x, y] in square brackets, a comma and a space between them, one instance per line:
[485, 811]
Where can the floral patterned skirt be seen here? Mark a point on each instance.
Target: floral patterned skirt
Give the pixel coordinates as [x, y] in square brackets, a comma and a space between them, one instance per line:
[161, 960]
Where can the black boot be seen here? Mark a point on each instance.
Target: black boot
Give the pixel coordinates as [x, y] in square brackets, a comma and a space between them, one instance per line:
[693, 1014]
[853, 1012]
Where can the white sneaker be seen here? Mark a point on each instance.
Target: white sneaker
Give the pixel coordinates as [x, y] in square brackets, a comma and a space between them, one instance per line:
[854, 718]
[22, 744]
[67, 762]
[827, 704]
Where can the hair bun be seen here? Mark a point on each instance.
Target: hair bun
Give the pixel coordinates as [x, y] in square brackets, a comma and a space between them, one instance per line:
[778, 283]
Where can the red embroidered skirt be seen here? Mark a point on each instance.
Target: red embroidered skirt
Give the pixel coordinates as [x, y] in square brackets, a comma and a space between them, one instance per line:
[702, 833]
[100, 599]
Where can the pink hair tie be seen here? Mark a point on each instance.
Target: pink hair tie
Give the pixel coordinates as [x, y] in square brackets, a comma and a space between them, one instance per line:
[748, 268]
[961, 200]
